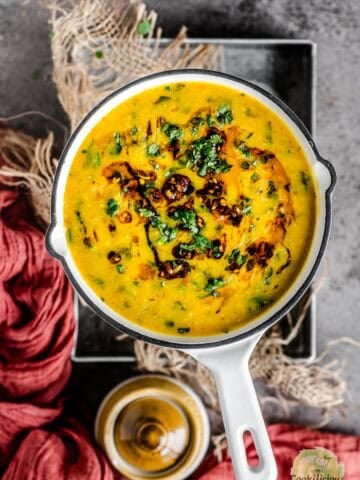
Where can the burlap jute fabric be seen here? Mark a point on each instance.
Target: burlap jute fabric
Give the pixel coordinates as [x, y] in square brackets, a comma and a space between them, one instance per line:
[97, 47]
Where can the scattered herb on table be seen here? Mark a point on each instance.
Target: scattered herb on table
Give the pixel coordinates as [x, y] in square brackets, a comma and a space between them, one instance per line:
[99, 54]
[144, 27]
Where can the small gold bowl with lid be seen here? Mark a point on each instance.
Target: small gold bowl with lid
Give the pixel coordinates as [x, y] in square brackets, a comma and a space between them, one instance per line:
[152, 426]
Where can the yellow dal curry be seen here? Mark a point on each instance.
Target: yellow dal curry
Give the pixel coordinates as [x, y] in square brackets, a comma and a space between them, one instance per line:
[190, 209]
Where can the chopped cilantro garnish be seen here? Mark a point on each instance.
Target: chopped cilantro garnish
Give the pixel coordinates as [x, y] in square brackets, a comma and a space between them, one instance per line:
[112, 207]
[271, 190]
[259, 302]
[268, 275]
[92, 156]
[183, 330]
[120, 268]
[162, 98]
[305, 179]
[246, 210]
[224, 114]
[243, 148]
[237, 258]
[167, 233]
[254, 177]
[245, 165]
[117, 144]
[153, 150]
[203, 157]
[99, 54]
[187, 218]
[213, 284]
[172, 131]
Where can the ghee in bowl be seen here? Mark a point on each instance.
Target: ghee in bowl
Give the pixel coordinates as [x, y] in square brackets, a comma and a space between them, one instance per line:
[190, 208]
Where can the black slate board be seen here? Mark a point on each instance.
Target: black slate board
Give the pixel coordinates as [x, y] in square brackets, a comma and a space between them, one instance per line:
[287, 68]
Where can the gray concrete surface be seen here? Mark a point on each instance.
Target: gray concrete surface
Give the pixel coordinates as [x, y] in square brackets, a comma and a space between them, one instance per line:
[25, 84]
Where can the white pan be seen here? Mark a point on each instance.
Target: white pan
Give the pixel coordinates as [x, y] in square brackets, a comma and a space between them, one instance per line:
[228, 356]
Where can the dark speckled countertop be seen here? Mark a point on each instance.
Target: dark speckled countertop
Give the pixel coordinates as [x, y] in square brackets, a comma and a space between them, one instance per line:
[25, 84]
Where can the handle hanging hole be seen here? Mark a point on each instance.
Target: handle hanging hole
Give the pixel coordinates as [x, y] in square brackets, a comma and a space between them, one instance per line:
[252, 455]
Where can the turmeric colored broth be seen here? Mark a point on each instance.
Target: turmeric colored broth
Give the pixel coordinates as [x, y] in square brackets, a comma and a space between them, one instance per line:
[190, 209]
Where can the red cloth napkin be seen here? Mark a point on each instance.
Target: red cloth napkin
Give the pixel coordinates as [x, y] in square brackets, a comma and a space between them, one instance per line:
[287, 442]
[36, 334]
[36, 331]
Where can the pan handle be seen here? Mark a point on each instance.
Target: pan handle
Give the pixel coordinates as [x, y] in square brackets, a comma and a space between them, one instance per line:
[240, 407]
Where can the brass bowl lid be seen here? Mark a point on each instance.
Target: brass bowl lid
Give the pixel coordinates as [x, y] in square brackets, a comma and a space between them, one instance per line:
[152, 426]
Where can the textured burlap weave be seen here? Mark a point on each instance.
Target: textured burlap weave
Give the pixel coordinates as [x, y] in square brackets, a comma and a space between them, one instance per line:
[97, 48]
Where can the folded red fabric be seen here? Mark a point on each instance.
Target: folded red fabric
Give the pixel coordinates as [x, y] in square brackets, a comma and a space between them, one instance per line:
[36, 335]
[287, 442]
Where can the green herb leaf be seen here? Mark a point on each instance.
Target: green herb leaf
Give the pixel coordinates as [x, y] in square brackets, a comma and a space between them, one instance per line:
[183, 330]
[112, 207]
[271, 190]
[254, 177]
[245, 165]
[268, 275]
[117, 146]
[246, 210]
[236, 257]
[92, 156]
[172, 131]
[305, 179]
[99, 54]
[213, 284]
[259, 302]
[224, 114]
[242, 147]
[153, 150]
[187, 218]
[144, 27]
[161, 99]
[120, 268]
[203, 156]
